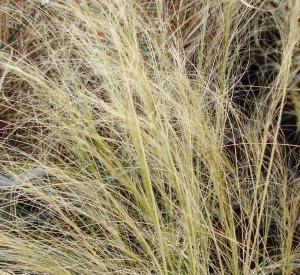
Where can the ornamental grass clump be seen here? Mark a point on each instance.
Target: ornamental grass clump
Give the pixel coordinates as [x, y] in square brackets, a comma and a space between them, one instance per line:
[149, 137]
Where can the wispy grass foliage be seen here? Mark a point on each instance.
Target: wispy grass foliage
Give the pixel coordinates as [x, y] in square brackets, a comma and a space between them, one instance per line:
[151, 167]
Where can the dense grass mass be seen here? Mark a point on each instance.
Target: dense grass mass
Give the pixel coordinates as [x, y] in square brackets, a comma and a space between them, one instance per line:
[149, 137]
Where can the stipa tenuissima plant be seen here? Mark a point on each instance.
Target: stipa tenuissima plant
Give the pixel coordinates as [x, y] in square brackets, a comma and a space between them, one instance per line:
[133, 112]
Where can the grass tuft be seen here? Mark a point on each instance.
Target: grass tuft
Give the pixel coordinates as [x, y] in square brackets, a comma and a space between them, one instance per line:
[149, 137]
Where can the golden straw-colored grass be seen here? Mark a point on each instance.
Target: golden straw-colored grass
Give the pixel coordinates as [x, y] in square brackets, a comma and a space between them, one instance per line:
[124, 136]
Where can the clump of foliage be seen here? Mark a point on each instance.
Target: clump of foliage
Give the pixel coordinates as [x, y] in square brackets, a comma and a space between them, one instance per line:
[164, 133]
